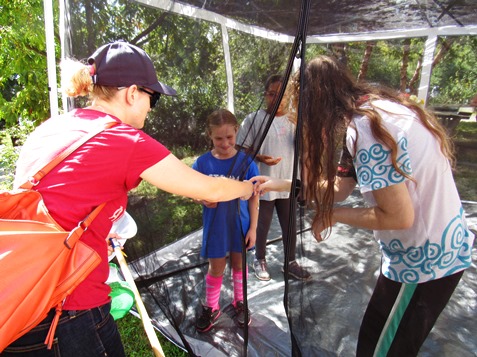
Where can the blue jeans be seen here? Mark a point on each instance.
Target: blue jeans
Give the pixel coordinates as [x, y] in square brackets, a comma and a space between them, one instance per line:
[82, 333]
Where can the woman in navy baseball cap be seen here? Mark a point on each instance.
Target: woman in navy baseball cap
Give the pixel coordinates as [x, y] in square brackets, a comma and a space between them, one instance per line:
[121, 82]
[122, 64]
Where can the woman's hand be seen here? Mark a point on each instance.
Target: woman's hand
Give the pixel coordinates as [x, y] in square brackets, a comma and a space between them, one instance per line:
[172, 175]
[110, 247]
[318, 227]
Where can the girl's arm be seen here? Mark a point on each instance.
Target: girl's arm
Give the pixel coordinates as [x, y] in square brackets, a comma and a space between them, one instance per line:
[173, 176]
[253, 208]
[266, 184]
[343, 186]
[393, 210]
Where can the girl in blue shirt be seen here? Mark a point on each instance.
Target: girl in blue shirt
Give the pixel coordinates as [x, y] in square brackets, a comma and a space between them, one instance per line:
[225, 224]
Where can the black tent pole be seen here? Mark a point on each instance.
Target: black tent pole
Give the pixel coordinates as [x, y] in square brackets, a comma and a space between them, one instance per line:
[299, 52]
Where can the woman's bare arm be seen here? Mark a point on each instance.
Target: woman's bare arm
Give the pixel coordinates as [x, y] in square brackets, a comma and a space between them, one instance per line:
[172, 175]
[393, 210]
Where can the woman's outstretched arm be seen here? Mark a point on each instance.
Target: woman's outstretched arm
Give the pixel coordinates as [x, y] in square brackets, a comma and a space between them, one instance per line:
[173, 176]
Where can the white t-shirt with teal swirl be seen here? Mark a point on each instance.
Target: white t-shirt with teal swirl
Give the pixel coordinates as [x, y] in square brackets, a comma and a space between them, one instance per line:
[439, 243]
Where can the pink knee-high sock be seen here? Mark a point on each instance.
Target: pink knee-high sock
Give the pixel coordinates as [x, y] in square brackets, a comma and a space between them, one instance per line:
[213, 285]
[238, 284]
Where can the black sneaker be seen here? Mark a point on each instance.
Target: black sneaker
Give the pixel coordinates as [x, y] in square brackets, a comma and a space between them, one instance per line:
[297, 272]
[240, 311]
[207, 319]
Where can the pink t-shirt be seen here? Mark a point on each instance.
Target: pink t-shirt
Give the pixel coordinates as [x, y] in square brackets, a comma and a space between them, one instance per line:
[104, 169]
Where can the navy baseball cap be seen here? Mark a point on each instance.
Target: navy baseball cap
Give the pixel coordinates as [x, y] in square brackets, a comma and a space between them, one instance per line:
[120, 64]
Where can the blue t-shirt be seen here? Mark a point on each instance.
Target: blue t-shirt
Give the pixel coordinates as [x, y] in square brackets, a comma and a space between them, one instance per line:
[223, 231]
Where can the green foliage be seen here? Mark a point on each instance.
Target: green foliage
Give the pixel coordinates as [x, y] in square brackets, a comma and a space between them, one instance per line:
[161, 217]
[186, 152]
[455, 79]
[10, 140]
[254, 59]
[466, 131]
[466, 182]
[465, 137]
[7, 162]
[385, 63]
[23, 74]
[188, 55]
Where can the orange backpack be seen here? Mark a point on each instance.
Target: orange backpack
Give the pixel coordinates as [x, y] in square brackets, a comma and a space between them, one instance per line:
[40, 262]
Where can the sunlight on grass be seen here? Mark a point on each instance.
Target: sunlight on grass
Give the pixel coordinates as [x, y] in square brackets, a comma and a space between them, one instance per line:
[466, 181]
[136, 343]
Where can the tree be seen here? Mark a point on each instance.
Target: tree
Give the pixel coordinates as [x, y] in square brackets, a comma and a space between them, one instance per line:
[405, 63]
[188, 55]
[23, 76]
[455, 78]
[363, 70]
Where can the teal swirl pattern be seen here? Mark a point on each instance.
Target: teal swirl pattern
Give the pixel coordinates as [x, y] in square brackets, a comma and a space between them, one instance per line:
[417, 264]
[374, 166]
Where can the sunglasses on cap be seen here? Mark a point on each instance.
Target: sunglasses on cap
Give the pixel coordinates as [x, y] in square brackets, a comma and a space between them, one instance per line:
[153, 96]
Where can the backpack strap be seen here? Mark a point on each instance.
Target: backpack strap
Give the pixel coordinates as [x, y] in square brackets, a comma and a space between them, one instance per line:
[83, 225]
[35, 179]
[76, 232]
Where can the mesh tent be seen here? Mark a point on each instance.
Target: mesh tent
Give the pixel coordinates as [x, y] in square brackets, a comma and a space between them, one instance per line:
[217, 54]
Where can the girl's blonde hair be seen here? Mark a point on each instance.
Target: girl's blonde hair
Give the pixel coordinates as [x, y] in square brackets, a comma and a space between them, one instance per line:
[76, 80]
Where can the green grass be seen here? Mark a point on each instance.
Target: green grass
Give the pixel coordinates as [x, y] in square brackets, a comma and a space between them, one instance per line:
[466, 181]
[466, 131]
[136, 343]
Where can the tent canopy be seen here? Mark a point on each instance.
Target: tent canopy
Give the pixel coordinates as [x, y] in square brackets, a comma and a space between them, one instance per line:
[341, 17]
[172, 277]
[332, 21]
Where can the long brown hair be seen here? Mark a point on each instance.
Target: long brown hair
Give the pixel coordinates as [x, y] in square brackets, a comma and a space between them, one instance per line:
[330, 96]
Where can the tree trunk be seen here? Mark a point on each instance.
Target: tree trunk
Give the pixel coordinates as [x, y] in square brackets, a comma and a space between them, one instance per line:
[91, 36]
[415, 76]
[339, 51]
[405, 63]
[150, 28]
[363, 70]
[445, 47]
